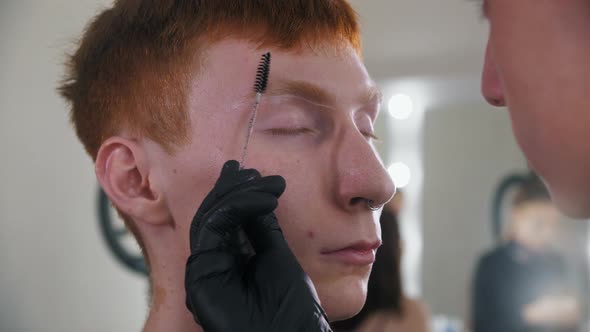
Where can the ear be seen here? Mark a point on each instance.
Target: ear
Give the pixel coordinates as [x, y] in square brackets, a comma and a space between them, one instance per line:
[123, 172]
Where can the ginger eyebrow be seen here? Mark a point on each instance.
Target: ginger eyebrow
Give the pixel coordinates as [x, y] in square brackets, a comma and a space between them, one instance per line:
[317, 94]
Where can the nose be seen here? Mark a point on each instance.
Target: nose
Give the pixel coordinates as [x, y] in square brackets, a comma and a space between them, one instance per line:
[360, 174]
[492, 87]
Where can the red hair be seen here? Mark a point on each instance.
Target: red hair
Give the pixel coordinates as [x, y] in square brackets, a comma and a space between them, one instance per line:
[134, 62]
[130, 74]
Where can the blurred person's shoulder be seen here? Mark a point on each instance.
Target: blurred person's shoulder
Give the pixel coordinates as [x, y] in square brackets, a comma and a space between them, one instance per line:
[496, 255]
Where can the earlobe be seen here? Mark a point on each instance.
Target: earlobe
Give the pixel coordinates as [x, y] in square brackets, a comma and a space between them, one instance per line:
[125, 175]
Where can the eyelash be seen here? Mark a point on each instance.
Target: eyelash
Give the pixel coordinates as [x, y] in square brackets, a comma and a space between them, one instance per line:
[297, 131]
[290, 131]
[371, 136]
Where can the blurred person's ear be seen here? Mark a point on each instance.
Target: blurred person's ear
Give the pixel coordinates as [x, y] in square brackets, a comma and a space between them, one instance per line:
[123, 172]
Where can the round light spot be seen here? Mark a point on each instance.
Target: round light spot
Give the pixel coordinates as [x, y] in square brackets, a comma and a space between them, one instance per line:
[400, 106]
[400, 173]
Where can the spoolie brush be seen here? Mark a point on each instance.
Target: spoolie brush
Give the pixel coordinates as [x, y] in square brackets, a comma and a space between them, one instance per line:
[259, 87]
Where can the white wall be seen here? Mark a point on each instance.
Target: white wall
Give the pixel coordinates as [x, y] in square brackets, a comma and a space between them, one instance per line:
[55, 272]
[468, 149]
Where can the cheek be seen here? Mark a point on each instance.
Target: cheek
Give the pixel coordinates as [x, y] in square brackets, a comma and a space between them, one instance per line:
[295, 211]
[541, 138]
[303, 201]
[186, 194]
[521, 128]
[189, 177]
[534, 134]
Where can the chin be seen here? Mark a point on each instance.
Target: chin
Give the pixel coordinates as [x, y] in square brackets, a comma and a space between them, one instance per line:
[570, 192]
[343, 298]
[573, 206]
[574, 203]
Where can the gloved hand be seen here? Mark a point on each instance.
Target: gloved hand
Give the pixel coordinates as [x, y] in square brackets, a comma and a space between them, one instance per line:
[228, 290]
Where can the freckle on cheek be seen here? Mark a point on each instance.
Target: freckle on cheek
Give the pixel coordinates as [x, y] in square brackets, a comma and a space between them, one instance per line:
[310, 234]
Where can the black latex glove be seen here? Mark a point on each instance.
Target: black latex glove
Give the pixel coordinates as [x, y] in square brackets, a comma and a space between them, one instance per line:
[228, 290]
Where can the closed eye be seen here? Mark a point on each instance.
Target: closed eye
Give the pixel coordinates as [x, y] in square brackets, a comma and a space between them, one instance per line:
[371, 136]
[290, 131]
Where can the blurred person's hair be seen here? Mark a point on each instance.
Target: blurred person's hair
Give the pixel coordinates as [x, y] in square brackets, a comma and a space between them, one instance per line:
[384, 291]
[132, 69]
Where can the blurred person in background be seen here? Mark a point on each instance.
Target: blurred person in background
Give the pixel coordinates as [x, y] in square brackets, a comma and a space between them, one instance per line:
[537, 64]
[523, 285]
[387, 309]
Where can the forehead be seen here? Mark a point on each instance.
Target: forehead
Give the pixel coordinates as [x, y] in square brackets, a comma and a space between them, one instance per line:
[540, 207]
[338, 70]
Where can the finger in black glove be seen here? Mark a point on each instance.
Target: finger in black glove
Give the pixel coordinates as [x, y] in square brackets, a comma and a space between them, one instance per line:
[229, 291]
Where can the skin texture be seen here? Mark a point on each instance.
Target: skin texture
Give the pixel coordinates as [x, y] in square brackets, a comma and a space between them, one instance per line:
[324, 153]
[537, 65]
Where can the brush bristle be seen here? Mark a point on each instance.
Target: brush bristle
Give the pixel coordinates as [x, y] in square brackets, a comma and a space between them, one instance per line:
[262, 73]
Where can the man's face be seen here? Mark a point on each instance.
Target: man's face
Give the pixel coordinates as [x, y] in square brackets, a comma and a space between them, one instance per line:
[313, 129]
[538, 64]
[535, 225]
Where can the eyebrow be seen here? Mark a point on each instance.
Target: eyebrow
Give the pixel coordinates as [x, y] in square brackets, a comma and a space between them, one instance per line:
[317, 94]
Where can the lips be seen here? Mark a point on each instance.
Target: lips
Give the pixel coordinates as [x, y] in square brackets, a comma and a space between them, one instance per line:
[358, 253]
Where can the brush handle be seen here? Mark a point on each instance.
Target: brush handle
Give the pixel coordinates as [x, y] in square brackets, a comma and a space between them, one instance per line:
[250, 129]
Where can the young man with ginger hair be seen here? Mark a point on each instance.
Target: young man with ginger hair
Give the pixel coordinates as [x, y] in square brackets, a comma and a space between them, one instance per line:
[161, 93]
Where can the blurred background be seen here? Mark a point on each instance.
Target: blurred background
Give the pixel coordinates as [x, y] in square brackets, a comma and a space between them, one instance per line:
[442, 143]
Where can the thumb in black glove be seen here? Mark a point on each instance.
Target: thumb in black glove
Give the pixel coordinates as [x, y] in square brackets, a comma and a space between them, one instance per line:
[228, 290]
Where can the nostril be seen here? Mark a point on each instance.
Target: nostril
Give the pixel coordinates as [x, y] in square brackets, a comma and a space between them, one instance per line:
[495, 100]
[492, 87]
[357, 200]
[499, 102]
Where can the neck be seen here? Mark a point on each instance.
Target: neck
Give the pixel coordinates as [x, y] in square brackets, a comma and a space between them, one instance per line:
[168, 311]
[170, 315]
